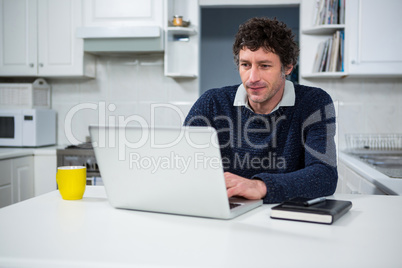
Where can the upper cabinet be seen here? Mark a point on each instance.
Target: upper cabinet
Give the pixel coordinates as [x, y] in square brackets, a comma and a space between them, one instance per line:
[18, 37]
[375, 36]
[123, 13]
[362, 39]
[49, 38]
[37, 38]
[122, 26]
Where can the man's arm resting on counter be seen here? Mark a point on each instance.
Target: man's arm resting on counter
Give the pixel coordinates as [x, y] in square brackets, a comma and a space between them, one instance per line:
[274, 188]
[311, 182]
[318, 177]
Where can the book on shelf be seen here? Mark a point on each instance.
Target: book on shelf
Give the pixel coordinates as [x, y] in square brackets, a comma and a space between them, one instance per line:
[325, 211]
[341, 51]
[329, 12]
[330, 54]
[341, 11]
[335, 52]
[324, 56]
[318, 57]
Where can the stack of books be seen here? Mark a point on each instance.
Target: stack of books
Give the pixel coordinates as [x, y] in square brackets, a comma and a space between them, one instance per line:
[329, 12]
[330, 54]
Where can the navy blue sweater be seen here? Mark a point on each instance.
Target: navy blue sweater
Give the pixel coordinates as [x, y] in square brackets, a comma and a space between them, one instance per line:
[292, 150]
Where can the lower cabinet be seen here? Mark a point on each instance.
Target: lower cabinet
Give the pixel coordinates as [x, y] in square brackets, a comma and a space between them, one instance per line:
[45, 173]
[350, 182]
[6, 197]
[16, 180]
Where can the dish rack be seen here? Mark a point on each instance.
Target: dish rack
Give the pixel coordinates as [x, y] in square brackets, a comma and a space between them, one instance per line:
[357, 143]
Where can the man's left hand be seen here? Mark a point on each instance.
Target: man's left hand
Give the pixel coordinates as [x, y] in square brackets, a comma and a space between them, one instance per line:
[239, 186]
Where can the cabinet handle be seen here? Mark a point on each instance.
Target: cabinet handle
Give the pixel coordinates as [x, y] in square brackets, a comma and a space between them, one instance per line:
[31, 65]
[40, 64]
[353, 62]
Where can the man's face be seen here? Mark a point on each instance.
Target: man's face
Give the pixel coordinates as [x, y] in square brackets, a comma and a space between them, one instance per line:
[262, 77]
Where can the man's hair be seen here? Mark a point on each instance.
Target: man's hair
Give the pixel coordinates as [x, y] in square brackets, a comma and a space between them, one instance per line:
[272, 35]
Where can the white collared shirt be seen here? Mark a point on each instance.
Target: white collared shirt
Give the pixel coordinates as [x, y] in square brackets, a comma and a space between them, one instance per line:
[288, 98]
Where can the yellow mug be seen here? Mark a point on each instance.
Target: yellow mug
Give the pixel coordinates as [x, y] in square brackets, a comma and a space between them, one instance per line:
[71, 181]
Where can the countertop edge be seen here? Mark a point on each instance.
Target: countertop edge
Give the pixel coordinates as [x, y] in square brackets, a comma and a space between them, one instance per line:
[8, 152]
[389, 185]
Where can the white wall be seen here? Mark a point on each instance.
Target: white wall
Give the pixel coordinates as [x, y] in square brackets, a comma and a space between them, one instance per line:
[131, 84]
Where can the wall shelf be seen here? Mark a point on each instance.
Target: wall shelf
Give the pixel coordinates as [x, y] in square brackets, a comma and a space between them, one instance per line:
[182, 43]
[362, 37]
[324, 29]
[326, 75]
[322, 46]
[182, 30]
[181, 75]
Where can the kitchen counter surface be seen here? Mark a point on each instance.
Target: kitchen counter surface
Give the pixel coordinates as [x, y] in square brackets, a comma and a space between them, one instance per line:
[47, 231]
[388, 185]
[8, 152]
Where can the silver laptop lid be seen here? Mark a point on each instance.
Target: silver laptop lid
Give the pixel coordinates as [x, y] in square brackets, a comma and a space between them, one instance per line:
[170, 170]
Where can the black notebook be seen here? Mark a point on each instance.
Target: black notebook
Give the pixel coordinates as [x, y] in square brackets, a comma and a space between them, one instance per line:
[297, 209]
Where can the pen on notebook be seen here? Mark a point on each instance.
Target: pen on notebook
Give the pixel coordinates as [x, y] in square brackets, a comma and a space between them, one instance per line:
[315, 201]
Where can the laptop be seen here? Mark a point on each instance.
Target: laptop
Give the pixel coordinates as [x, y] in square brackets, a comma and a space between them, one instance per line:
[165, 170]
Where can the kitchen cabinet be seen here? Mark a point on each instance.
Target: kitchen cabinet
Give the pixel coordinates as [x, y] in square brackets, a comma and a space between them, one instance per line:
[123, 13]
[371, 41]
[45, 167]
[16, 180]
[374, 32]
[6, 197]
[23, 178]
[37, 38]
[350, 182]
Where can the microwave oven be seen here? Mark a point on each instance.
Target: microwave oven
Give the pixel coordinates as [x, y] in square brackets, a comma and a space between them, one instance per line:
[27, 127]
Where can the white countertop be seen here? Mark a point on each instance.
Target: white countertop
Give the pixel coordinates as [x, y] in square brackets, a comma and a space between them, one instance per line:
[8, 152]
[47, 231]
[385, 183]
[15, 152]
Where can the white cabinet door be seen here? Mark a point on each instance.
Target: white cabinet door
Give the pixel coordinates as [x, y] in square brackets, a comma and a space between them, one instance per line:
[374, 34]
[18, 37]
[6, 197]
[45, 167]
[367, 187]
[16, 180]
[23, 178]
[350, 182]
[37, 38]
[5, 183]
[123, 13]
[60, 52]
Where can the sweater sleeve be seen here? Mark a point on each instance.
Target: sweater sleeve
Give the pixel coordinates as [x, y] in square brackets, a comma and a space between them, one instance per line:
[319, 175]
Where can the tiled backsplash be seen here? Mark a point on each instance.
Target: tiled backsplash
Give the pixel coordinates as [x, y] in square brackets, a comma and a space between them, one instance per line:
[136, 85]
[365, 105]
[124, 86]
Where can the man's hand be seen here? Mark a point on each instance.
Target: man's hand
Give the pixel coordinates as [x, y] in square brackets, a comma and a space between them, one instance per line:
[239, 186]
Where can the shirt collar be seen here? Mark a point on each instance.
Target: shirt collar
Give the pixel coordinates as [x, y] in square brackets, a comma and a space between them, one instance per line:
[288, 98]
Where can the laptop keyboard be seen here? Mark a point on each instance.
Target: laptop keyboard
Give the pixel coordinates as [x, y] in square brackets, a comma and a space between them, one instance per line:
[233, 205]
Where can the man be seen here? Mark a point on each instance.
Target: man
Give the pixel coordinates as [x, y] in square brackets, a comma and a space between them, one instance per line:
[276, 138]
